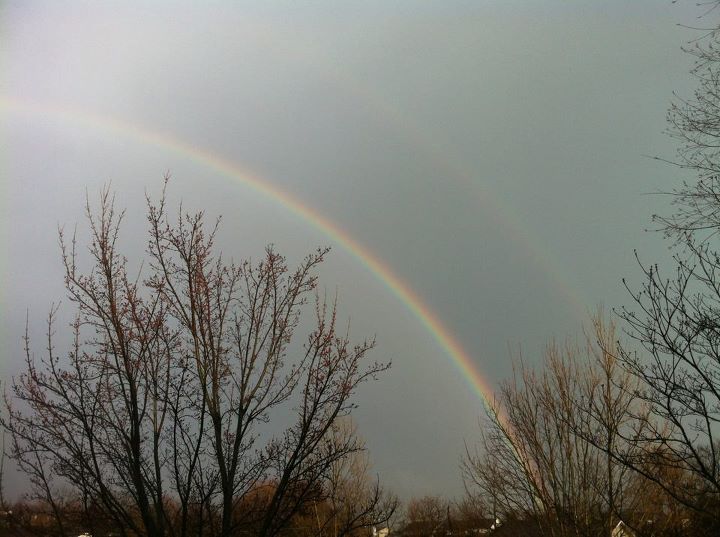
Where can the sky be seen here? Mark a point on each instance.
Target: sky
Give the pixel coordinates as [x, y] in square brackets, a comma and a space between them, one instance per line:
[482, 170]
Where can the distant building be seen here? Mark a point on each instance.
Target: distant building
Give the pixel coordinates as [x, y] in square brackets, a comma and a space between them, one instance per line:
[622, 530]
[42, 520]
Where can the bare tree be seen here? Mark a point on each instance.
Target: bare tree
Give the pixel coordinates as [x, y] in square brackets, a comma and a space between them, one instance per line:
[426, 516]
[610, 416]
[548, 453]
[530, 463]
[674, 319]
[3, 502]
[165, 409]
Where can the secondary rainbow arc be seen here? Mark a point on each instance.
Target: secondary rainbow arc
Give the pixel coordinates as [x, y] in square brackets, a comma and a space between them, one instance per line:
[429, 320]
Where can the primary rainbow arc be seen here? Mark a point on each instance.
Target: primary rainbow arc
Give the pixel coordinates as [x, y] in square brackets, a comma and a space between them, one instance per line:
[440, 333]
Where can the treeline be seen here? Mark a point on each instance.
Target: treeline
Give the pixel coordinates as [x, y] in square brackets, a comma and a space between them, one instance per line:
[350, 511]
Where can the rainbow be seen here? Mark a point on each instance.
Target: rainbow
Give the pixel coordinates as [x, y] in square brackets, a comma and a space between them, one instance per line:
[440, 333]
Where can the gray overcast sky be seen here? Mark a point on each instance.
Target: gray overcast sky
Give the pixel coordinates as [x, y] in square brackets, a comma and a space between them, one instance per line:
[492, 154]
